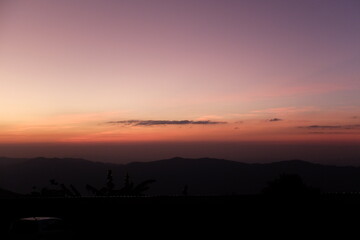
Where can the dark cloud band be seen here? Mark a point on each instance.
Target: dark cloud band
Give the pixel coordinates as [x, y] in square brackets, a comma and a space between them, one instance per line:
[164, 122]
[331, 127]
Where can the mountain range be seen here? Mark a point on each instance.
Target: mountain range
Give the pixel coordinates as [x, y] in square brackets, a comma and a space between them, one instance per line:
[204, 176]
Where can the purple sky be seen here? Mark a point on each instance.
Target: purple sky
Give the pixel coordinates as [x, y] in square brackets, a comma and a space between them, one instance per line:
[70, 68]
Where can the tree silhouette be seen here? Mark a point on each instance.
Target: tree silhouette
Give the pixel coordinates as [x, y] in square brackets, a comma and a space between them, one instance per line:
[129, 188]
[110, 183]
[289, 185]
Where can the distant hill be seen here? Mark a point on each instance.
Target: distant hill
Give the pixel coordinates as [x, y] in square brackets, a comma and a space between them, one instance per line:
[202, 176]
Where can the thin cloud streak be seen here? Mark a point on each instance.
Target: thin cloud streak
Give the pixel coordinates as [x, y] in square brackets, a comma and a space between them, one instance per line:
[164, 122]
[275, 120]
[331, 133]
[327, 127]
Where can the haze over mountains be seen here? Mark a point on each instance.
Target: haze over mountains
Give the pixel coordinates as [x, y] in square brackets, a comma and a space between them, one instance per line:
[202, 176]
[248, 152]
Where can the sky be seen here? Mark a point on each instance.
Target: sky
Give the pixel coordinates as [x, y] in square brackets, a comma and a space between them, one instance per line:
[114, 74]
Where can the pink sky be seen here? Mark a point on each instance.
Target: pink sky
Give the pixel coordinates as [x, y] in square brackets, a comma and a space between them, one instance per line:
[272, 70]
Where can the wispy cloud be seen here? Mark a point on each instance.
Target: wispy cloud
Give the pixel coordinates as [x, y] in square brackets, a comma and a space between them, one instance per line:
[164, 122]
[331, 133]
[286, 110]
[239, 122]
[275, 120]
[333, 127]
[278, 113]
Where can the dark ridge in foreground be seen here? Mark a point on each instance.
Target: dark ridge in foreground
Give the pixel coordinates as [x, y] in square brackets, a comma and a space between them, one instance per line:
[204, 176]
[223, 198]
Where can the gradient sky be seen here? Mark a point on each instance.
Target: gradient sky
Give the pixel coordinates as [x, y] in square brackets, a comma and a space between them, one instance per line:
[77, 71]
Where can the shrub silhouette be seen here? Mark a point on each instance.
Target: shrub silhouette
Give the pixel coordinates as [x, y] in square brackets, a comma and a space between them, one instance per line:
[129, 188]
[289, 185]
[57, 190]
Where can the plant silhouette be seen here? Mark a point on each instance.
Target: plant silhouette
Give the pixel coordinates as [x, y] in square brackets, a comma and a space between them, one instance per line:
[56, 190]
[129, 188]
[289, 185]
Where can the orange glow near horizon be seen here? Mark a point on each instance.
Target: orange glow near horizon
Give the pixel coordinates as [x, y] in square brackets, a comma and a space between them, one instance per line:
[275, 124]
[272, 70]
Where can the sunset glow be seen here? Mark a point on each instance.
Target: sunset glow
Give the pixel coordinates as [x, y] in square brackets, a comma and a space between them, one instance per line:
[94, 71]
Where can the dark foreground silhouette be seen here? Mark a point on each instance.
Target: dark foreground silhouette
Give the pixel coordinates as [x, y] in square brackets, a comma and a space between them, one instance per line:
[177, 176]
[289, 185]
[109, 212]
[106, 215]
